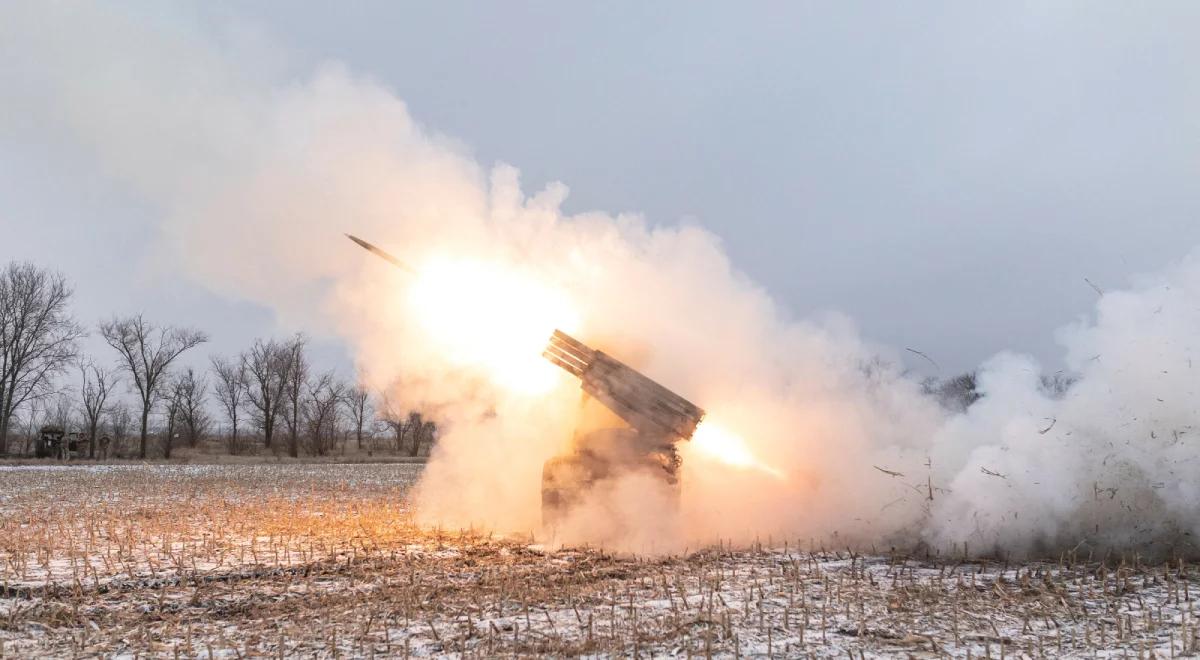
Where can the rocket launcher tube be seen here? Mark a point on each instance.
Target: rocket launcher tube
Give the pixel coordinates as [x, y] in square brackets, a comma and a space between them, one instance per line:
[644, 404]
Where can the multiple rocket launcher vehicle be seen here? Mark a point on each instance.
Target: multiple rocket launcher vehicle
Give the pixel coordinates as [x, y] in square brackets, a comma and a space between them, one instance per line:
[656, 420]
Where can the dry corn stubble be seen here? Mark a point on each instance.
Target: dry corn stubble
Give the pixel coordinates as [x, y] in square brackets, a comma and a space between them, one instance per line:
[245, 561]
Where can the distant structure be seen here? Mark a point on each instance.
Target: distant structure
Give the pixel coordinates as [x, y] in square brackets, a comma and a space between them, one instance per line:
[54, 442]
[48, 441]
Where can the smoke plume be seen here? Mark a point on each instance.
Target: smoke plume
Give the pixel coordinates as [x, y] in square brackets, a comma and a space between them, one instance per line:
[816, 434]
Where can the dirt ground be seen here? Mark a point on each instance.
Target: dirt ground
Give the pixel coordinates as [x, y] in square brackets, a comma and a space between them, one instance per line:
[243, 561]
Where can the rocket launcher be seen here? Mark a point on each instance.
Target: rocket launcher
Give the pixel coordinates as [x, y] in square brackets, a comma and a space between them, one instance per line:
[651, 409]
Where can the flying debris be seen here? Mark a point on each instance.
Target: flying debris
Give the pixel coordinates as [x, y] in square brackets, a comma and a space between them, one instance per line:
[382, 254]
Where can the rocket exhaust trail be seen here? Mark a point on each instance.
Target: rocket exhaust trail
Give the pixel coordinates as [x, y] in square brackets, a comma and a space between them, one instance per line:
[381, 254]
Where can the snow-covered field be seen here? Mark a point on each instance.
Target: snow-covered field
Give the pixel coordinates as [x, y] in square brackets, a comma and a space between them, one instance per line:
[324, 560]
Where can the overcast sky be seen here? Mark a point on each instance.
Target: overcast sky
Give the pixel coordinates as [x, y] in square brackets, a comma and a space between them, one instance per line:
[945, 173]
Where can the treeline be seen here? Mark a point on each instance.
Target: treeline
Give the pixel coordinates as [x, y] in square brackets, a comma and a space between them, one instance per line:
[266, 399]
[960, 392]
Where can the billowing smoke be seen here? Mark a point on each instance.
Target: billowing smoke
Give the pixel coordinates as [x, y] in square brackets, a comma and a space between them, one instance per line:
[814, 434]
[1112, 462]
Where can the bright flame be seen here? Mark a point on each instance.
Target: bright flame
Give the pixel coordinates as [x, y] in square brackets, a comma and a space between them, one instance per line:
[721, 445]
[496, 317]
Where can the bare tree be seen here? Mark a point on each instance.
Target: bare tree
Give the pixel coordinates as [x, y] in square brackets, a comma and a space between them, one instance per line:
[265, 368]
[1056, 385]
[37, 337]
[322, 400]
[955, 394]
[391, 416]
[146, 351]
[97, 383]
[358, 403]
[420, 430]
[411, 426]
[229, 388]
[297, 377]
[33, 419]
[379, 429]
[61, 414]
[118, 422]
[193, 392]
[173, 397]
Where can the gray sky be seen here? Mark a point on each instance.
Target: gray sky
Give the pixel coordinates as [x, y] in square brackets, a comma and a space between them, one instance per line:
[945, 173]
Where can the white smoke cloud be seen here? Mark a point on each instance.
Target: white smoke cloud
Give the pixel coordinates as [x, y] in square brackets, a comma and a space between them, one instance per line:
[1112, 463]
[256, 175]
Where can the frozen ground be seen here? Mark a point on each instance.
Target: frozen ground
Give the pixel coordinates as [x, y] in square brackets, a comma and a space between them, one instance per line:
[323, 560]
